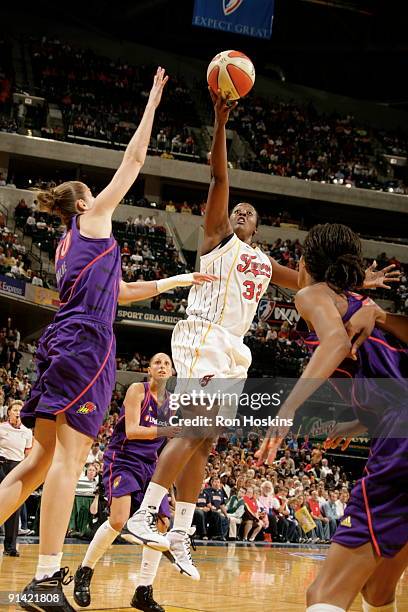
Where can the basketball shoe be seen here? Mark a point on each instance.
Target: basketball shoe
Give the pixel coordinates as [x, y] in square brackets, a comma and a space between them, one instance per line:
[180, 552]
[82, 583]
[143, 600]
[46, 594]
[141, 528]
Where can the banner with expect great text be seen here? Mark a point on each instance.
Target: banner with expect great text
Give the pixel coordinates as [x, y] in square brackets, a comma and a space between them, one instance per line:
[246, 17]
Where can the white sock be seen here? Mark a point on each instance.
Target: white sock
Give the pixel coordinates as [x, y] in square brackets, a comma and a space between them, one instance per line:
[150, 565]
[183, 516]
[48, 565]
[101, 541]
[391, 607]
[153, 497]
[322, 607]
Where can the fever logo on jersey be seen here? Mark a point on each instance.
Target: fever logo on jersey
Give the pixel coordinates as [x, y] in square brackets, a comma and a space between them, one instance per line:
[230, 6]
[86, 408]
[206, 379]
[346, 522]
[116, 482]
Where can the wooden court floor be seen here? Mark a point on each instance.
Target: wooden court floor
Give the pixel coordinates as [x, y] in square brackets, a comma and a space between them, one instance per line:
[234, 579]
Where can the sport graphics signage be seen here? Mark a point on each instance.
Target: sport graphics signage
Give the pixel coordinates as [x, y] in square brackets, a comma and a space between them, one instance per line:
[247, 17]
[153, 318]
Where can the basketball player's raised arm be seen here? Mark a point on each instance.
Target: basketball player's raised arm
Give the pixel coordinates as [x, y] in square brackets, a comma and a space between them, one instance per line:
[217, 225]
[283, 276]
[288, 279]
[133, 160]
[143, 290]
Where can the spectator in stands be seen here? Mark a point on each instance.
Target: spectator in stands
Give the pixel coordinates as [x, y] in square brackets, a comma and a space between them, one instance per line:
[322, 522]
[36, 280]
[329, 511]
[202, 513]
[218, 518]
[341, 503]
[235, 511]
[251, 520]
[15, 443]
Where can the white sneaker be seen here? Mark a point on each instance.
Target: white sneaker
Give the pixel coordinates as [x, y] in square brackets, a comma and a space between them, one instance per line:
[180, 543]
[142, 529]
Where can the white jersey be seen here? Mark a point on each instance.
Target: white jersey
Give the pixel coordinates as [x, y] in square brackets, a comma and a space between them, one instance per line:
[243, 275]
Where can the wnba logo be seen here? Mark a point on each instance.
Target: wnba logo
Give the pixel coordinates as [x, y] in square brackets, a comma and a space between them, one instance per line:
[230, 6]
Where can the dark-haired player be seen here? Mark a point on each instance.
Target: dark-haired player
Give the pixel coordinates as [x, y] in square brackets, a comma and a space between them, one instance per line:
[210, 342]
[76, 354]
[370, 548]
[129, 462]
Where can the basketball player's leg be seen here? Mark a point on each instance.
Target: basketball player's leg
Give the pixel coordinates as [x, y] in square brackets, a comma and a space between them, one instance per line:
[379, 590]
[143, 597]
[175, 456]
[343, 575]
[71, 451]
[104, 537]
[30, 473]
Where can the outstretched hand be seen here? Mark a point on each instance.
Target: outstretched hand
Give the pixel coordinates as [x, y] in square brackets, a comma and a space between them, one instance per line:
[378, 278]
[275, 436]
[200, 279]
[342, 434]
[159, 82]
[222, 106]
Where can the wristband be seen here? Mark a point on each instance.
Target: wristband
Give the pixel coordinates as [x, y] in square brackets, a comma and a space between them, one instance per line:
[181, 280]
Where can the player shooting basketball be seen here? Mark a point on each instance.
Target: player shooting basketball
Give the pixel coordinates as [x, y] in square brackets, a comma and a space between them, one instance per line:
[209, 344]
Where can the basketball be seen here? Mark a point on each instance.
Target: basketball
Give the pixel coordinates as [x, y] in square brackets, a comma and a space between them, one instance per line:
[233, 73]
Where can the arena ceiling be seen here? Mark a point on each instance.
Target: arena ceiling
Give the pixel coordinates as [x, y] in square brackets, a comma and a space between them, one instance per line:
[351, 47]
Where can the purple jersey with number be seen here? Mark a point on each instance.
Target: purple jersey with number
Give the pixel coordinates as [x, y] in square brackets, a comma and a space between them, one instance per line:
[129, 464]
[378, 507]
[88, 272]
[76, 354]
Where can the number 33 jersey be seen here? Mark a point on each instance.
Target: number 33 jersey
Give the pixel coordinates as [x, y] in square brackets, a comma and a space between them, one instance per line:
[243, 275]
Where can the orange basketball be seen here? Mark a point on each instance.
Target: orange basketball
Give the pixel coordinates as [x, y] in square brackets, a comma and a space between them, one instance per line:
[232, 72]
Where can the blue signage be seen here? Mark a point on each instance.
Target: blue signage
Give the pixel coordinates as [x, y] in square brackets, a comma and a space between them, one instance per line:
[12, 285]
[247, 17]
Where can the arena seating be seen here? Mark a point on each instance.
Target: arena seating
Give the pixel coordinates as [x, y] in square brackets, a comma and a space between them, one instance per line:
[101, 101]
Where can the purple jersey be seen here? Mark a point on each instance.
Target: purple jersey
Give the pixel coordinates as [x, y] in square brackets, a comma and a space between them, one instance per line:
[88, 272]
[128, 465]
[381, 357]
[76, 354]
[378, 507]
[143, 450]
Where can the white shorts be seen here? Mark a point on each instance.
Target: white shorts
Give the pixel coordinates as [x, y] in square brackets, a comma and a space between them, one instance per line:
[204, 355]
[201, 349]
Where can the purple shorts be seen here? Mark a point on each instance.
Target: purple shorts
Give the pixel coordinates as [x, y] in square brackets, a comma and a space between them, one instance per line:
[76, 374]
[120, 478]
[378, 508]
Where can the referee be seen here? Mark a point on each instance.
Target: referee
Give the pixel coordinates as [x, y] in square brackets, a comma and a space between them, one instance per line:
[16, 441]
